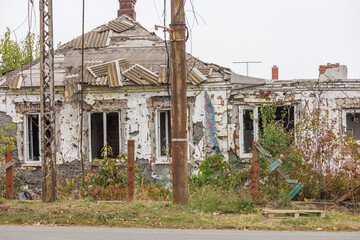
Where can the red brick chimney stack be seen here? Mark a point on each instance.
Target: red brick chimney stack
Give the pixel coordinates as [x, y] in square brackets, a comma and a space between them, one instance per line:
[127, 7]
[275, 73]
[323, 68]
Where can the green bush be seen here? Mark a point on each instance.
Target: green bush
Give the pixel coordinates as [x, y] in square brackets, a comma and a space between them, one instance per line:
[217, 172]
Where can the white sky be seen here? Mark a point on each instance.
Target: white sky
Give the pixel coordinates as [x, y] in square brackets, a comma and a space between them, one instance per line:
[296, 35]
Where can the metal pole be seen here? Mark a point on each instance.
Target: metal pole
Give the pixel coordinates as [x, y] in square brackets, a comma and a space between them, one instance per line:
[47, 97]
[178, 104]
[255, 172]
[247, 65]
[130, 170]
[9, 176]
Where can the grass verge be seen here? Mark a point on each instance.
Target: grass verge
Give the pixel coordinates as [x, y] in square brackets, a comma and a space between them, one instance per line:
[140, 214]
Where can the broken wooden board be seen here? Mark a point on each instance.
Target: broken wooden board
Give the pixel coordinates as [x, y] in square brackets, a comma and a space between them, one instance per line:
[7, 165]
[293, 213]
[348, 194]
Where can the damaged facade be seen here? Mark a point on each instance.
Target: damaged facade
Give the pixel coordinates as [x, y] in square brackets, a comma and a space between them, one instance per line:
[332, 93]
[126, 96]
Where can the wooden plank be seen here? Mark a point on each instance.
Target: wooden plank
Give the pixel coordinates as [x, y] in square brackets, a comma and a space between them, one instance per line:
[294, 213]
[7, 165]
[271, 161]
[348, 194]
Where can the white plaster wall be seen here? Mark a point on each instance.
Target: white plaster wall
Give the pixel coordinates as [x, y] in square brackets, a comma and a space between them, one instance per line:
[68, 133]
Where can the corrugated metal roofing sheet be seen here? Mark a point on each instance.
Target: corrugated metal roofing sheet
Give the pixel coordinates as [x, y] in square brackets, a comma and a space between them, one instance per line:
[124, 65]
[162, 74]
[206, 71]
[98, 71]
[109, 73]
[15, 82]
[88, 77]
[141, 75]
[94, 39]
[119, 26]
[71, 86]
[114, 74]
[196, 77]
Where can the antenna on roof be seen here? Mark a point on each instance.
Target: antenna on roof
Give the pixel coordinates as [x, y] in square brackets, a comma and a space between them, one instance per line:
[247, 65]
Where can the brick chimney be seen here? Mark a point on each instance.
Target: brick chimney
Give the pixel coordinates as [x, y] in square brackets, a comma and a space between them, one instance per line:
[323, 68]
[127, 7]
[275, 73]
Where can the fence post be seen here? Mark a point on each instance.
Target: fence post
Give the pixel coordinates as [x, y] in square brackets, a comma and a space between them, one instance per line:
[9, 176]
[131, 170]
[255, 172]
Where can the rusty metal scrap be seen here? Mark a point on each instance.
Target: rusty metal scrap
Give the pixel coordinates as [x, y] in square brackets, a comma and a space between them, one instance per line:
[9, 175]
[131, 170]
[141, 75]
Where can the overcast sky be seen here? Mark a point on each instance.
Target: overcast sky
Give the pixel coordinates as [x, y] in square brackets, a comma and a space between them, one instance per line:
[296, 35]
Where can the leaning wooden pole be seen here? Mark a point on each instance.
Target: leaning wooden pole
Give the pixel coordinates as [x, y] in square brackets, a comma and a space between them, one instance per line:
[179, 146]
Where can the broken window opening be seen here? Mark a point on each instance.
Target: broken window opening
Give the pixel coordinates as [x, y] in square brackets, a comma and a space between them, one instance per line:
[164, 133]
[105, 131]
[352, 127]
[32, 138]
[248, 130]
[251, 124]
[286, 114]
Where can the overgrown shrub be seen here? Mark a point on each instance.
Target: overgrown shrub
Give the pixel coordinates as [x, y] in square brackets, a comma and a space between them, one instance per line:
[7, 142]
[108, 181]
[217, 172]
[313, 153]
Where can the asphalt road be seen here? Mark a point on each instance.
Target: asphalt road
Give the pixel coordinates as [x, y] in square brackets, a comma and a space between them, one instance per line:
[87, 233]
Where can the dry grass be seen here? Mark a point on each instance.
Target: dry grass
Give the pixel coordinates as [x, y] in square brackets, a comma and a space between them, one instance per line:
[143, 214]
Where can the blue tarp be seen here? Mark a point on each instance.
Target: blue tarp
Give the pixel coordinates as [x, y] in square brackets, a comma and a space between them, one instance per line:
[210, 125]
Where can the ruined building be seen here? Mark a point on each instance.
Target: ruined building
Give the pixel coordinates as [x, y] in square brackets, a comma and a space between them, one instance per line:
[127, 96]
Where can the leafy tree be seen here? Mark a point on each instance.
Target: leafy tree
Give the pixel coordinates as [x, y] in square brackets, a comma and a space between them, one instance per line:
[14, 55]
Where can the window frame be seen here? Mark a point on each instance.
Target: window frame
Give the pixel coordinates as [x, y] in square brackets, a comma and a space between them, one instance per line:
[164, 159]
[157, 133]
[104, 130]
[344, 123]
[255, 109]
[27, 159]
[241, 128]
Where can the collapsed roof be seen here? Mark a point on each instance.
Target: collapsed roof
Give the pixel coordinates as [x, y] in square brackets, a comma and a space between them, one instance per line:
[119, 53]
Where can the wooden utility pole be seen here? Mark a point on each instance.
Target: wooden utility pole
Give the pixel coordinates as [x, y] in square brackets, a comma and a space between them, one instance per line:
[179, 151]
[47, 98]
